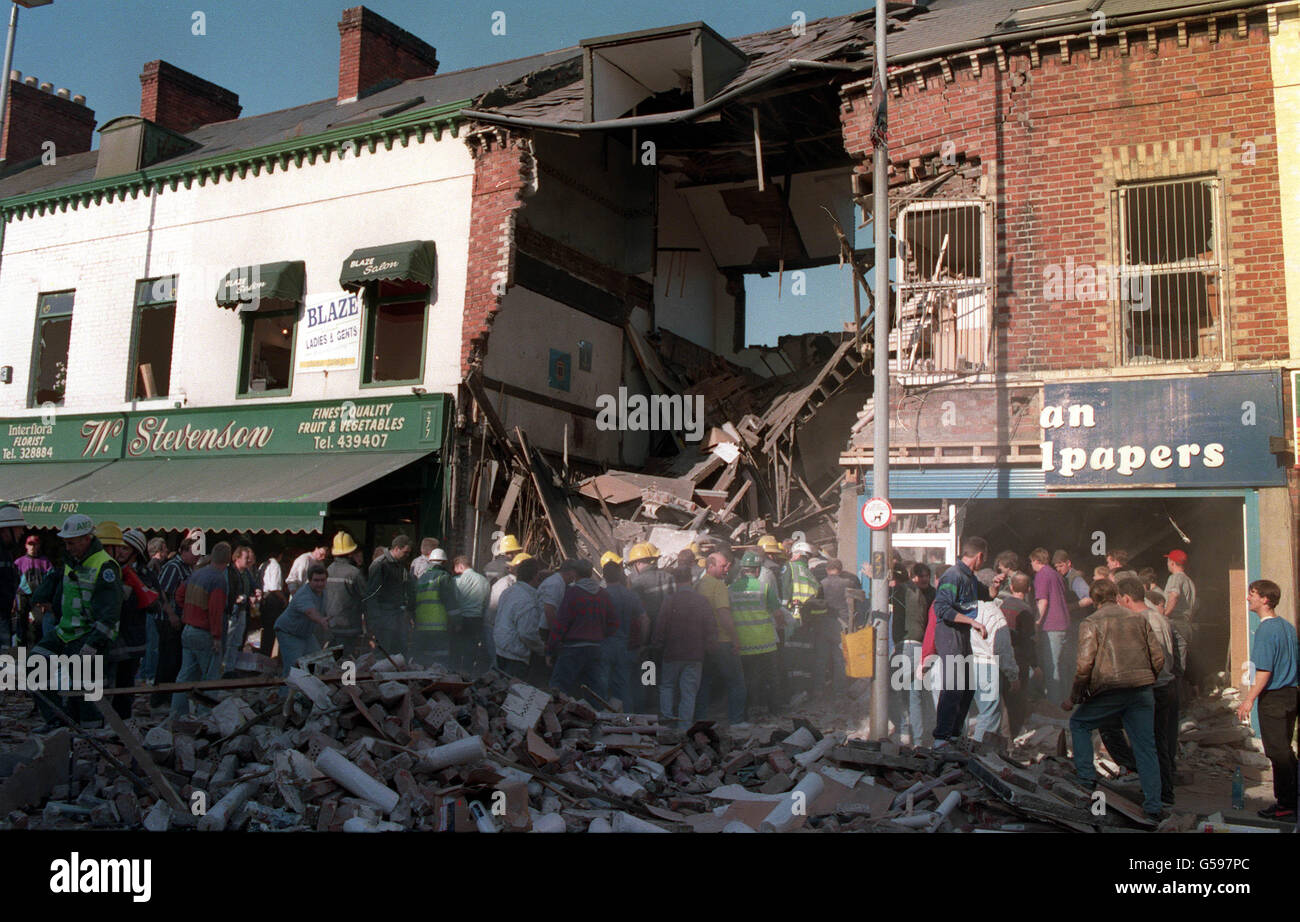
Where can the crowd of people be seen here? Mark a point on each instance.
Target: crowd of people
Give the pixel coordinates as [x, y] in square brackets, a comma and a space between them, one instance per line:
[703, 633]
[1112, 652]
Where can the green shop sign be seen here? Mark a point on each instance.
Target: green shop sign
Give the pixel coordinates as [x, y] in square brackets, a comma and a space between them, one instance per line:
[356, 425]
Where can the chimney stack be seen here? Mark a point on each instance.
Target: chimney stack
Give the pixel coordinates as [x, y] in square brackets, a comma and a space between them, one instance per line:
[373, 51]
[37, 114]
[179, 100]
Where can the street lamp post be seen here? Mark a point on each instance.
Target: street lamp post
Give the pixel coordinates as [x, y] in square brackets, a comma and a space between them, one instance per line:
[880, 391]
[9, 54]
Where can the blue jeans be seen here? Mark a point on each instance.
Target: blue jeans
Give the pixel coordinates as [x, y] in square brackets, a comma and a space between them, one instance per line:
[828, 655]
[920, 702]
[722, 668]
[293, 648]
[199, 663]
[1058, 684]
[616, 666]
[1136, 709]
[988, 701]
[679, 684]
[578, 665]
[150, 668]
[430, 648]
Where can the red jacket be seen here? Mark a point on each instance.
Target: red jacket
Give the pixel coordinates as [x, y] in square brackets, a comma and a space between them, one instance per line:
[927, 645]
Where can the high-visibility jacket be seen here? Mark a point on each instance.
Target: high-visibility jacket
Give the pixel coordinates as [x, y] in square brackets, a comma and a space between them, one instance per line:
[433, 593]
[803, 585]
[80, 581]
[752, 604]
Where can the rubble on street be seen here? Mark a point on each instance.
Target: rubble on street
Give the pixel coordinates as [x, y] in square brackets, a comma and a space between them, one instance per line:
[408, 748]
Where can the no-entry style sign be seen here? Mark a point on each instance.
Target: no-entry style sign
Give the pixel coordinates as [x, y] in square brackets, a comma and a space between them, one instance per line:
[877, 513]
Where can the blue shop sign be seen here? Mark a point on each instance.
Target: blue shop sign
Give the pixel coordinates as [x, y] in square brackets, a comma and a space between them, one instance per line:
[1205, 431]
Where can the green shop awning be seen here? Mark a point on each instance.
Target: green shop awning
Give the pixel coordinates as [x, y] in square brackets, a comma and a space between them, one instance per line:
[19, 482]
[278, 493]
[412, 261]
[247, 287]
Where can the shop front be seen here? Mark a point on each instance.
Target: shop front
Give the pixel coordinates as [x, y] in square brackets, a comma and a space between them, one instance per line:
[1146, 466]
[371, 465]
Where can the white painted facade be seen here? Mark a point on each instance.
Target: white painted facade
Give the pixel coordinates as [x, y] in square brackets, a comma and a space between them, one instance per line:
[318, 213]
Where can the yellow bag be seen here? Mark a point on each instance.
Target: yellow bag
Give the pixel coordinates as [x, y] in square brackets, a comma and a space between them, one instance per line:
[859, 652]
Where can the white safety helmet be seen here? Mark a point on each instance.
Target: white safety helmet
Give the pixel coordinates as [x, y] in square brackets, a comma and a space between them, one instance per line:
[438, 555]
[11, 517]
[802, 547]
[77, 526]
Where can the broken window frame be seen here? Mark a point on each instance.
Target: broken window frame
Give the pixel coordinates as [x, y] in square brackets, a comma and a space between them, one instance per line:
[1213, 268]
[46, 303]
[373, 303]
[288, 316]
[147, 299]
[906, 285]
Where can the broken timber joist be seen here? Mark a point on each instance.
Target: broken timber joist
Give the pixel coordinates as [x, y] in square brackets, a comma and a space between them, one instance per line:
[1021, 792]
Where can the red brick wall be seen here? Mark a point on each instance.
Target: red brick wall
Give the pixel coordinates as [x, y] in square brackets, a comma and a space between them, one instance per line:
[503, 166]
[372, 50]
[179, 100]
[34, 117]
[1047, 137]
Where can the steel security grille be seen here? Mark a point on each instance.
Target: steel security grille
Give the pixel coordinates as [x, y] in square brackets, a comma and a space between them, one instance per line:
[1170, 298]
[943, 313]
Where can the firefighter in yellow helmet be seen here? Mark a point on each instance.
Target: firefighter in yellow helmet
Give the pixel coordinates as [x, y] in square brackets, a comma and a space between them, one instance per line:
[500, 563]
[652, 586]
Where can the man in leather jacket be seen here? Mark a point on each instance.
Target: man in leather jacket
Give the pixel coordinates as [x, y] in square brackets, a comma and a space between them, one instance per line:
[1119, 660]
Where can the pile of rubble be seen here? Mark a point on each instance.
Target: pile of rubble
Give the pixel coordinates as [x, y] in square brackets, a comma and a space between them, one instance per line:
[392, 746]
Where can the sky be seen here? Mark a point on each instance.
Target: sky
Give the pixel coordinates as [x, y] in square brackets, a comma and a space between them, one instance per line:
[281, 53]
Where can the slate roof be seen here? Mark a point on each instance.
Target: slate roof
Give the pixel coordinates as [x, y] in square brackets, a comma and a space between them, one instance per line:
[929, 25]
[299, 121]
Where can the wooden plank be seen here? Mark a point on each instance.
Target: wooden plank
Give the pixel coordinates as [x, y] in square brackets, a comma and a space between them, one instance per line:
[475, 385]
[551, 499]
[142, 757]
[273, 681]
[1238, 622]
[508, 504]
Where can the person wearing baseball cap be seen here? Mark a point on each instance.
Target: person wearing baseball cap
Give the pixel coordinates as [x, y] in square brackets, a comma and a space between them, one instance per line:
[1180, 591]
[1180, 607]
[87, 601]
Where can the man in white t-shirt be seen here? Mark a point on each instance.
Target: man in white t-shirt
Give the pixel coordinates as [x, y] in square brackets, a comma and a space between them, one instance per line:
[298, 572]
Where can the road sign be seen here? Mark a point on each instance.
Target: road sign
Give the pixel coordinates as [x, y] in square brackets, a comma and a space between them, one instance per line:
[877, 513]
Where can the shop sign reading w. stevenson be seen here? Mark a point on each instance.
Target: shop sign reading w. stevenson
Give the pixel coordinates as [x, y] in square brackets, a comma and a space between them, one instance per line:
[1202, 431]
[396, 424]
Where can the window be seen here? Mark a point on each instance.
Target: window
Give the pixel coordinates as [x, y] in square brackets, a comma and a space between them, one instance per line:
[155, 324]
[942, 322]
[50, 348]
[395, 318]
[267, 363]
[1171, 272]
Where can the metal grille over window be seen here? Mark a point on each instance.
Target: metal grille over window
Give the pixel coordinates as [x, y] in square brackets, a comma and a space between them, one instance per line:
[944, 311]
[1171, 293]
